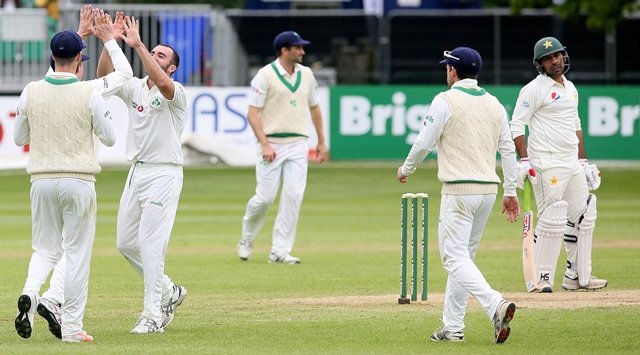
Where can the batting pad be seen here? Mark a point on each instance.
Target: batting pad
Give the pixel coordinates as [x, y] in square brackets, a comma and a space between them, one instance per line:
[549, 233]
[585, 238]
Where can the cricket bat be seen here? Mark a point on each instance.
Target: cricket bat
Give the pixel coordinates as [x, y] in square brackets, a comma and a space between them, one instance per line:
[528, 252]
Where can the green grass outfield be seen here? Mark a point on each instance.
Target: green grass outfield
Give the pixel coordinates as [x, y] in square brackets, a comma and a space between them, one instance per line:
[342, 299]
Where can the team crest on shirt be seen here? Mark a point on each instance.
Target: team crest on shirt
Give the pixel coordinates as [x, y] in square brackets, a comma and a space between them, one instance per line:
[428, 118]
[555, 96]
[293, 102]
[156, 102]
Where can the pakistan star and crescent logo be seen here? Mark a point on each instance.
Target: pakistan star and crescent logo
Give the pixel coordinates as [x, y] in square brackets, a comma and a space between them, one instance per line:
[547, 44]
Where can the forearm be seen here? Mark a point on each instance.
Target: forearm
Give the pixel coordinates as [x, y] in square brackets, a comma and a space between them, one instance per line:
[255, 121]
[316, 119]
[105, 65]
[155, 72]
[582, 152]
[521, 146]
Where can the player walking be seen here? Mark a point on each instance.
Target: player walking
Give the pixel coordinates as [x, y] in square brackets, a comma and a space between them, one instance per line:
[282, 93]
[469, 126]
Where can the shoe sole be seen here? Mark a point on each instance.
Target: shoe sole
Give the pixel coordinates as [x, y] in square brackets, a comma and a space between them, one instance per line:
[446, 339]
[278, 261]
[503, 334]
[54, 326]
[23, 326]
[585, 288]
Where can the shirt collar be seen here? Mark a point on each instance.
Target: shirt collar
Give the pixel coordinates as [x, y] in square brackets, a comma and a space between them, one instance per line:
[467, 84]
[549, 82]
[61, 75]
[281, 69]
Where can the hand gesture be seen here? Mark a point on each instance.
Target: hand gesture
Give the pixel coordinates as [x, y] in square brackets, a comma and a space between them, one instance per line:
[85, 28]
[131, 34]
[102, 25]
[118, 24]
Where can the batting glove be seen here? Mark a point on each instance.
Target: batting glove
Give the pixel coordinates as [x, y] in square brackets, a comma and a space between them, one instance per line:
[592, 173]
[525, 170]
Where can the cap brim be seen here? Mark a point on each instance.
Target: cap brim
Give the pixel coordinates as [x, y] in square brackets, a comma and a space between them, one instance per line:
[85, 57]
[301, 42]
[446, 61]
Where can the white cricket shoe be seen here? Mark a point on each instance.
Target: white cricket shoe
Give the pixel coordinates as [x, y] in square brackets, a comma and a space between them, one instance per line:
[543, 287]
[442, 334]
[146, 326]
[26, 314]
[287, 259]
[81, 337]
[244, 249]
[169, 309]
[52, 313]
[573, 284]
[501, 319]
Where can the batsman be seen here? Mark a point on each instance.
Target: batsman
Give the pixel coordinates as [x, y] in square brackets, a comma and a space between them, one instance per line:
[562, 177]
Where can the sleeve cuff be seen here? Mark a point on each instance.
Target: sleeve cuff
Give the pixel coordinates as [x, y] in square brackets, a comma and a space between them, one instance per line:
[111, 45]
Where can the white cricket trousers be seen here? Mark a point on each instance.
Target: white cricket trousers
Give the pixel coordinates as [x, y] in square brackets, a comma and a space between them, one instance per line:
[64, 219]
[561, 180]
[145, 218]
[290, 165]
[462, 221]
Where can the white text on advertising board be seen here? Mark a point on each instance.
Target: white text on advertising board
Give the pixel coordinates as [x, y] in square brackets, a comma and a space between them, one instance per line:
[359, 117]
[607, 118]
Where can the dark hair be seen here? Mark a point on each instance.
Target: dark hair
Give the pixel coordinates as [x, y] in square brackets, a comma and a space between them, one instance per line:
[463, 75]
[175, 60]
[61, 61]
[279, 51]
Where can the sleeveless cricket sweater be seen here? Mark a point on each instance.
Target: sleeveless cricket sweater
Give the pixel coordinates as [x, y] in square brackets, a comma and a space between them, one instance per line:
[61, 108]
[284, 115]
[468, 146]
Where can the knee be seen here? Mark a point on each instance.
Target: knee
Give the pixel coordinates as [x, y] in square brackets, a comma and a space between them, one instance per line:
[124, 247]
[262, 200]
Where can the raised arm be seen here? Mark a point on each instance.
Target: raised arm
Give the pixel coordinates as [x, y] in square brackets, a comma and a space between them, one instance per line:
[156, 74]
[85, 28]
[105, 64]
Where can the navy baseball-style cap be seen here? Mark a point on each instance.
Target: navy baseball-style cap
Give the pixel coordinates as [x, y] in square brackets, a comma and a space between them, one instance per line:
[67, 44]
[464, 59]
[288, 39]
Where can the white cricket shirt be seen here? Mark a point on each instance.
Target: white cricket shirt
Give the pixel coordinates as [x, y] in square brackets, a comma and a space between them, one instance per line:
[551, 112]
[155, 123]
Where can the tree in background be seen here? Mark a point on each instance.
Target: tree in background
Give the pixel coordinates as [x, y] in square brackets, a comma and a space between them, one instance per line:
[602, 15]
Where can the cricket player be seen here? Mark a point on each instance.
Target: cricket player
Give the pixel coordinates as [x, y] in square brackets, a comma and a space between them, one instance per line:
[148, 205]
[469, 126]
[60, 118]
[49, 306]
[555, 149]
[282, 93]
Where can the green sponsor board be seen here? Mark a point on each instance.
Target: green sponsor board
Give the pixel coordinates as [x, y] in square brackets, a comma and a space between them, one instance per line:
[381, 122]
